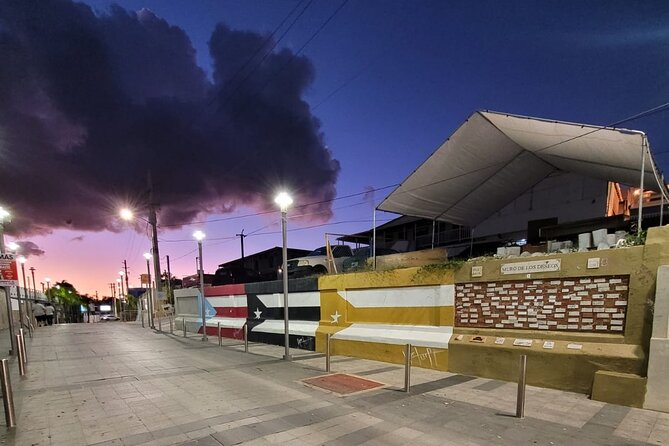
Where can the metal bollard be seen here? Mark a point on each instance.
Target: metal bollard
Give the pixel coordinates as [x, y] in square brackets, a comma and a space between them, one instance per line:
[218, 331]
[7, 394]
[141, 313]
[520, 400]
[22, 361]
[327, 352]
[246, 338]
[407, 368]
[171, 326]
[183, 320]
[160, 324]
[22, 346]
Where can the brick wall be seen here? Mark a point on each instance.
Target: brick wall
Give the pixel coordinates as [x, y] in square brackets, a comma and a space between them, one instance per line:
[593, 304]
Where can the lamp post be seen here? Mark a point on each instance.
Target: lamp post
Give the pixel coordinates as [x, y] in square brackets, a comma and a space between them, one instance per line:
[48, 287]
[22, 261]
[284, 201]
[148, 256]
[199, 236]
[128, 215]
[5, 216]
[123, 291]
[32, 272]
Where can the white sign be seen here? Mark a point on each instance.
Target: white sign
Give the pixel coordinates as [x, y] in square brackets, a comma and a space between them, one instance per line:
[593, 263]
[477, 271]
[523, 342]
[540, 266]
[549, 344]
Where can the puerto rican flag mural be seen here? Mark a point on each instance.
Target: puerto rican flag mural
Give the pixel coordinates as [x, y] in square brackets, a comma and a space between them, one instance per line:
[226, 304]
[266, 310]
[260, 305]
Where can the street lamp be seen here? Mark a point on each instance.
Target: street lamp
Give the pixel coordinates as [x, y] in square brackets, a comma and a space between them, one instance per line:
[5, 216]
[32, 273]
[128, 215]
[199, 236]
[284, 200]
[22, 261]
[148, 257]
[48, 286]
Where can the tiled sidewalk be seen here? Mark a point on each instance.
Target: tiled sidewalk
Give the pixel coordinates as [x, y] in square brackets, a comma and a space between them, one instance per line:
[119, 384]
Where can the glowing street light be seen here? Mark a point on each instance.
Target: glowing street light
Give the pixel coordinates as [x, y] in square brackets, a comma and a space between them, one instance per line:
[199, 236]
[126, 214]
[284, 201]
[13, 246]
[148, 257]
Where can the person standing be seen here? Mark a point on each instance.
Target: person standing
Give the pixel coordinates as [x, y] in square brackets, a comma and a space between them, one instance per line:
[48, 311]
[40, 313]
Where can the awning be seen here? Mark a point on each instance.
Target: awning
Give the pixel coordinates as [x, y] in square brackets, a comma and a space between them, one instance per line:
[494, 157]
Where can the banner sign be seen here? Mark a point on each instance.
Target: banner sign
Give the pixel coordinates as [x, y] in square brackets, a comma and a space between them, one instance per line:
[541, 266]
[144, 279]
[8, 272]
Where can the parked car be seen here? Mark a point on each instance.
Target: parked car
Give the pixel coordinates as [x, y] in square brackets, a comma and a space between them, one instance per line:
[234, 274]
[316, 262]
[359, 260]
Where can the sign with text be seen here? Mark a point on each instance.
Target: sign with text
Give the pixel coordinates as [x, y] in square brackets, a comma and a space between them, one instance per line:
[540, 266]
[8, 271]
[145, 280]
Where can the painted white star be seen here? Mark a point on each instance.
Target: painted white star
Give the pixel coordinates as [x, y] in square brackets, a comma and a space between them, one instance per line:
[257, 313]
[335, 317]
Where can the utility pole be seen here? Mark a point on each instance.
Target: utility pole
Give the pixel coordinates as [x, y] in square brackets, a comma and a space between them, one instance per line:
[241, 236]
[169, 282]
[125, 268]
[154, 236]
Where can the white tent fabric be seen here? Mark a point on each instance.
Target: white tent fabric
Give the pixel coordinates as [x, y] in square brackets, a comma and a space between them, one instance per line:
[493, 158]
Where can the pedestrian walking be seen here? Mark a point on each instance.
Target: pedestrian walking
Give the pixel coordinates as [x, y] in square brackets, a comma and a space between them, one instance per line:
[40, 313]
[48, 311]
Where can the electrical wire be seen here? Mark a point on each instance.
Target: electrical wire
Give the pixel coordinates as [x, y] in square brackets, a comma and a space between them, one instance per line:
[255, 214]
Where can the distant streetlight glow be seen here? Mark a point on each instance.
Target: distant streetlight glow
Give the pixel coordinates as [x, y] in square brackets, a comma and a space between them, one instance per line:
[22, 259]
[126, 214]
[4, 213]
[13, 246]
[199, 235]
[147, 255]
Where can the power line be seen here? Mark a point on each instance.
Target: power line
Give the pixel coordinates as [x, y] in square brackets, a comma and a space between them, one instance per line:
[297, 53]
[255, 214]
[265, 56]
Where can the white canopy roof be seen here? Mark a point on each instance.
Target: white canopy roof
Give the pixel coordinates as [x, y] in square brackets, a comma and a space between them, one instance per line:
[494, 157]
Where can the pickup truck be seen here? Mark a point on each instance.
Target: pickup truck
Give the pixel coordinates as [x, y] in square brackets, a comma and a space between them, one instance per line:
[316, 262]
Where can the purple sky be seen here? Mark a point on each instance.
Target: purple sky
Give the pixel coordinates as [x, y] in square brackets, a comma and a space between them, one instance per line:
[392, 80]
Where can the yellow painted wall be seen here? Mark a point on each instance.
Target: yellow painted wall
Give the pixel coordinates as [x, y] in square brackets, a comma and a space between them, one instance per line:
[560, 367]
[331, 303]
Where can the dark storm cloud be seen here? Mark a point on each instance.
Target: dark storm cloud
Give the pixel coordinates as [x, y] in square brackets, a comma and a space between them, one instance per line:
[28, 249]
[90, 103]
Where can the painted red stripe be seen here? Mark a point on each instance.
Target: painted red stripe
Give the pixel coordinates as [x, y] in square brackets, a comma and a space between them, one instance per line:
[241, 312]
[225, 290]
[232, 333]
